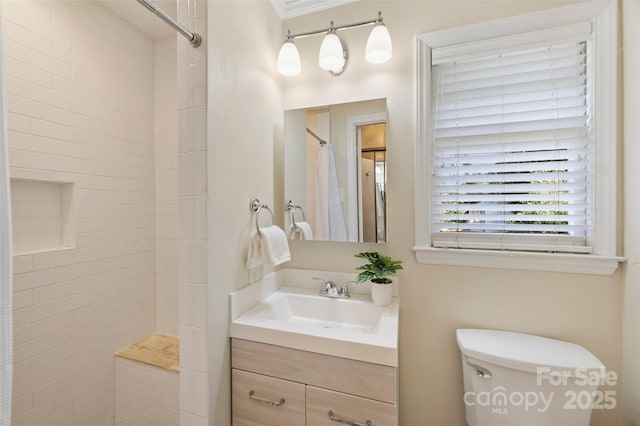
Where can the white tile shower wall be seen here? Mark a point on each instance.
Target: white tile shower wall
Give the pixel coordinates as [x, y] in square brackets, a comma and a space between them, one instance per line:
[80, 109]
[146, 395]
[166, 170]
[192, 224]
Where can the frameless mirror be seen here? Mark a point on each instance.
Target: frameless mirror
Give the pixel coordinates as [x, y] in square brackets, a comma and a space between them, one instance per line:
[335, 177]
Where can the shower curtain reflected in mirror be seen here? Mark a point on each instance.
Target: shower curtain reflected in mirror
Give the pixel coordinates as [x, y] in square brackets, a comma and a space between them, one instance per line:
[328, 215]
[6, 324]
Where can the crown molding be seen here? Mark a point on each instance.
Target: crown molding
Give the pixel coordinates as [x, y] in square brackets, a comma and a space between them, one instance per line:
[292, 8]
[279, 7]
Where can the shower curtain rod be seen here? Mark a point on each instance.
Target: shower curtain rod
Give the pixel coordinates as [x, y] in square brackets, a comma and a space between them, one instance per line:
[194, 38]
[322, 141]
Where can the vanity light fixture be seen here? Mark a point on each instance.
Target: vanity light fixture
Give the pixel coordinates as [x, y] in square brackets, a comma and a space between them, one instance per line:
[288, 58]
[333, 55]
[379, 49]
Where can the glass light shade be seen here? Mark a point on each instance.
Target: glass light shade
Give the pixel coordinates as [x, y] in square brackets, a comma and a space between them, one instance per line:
[379, 49]
[289, 59]
[331, 57]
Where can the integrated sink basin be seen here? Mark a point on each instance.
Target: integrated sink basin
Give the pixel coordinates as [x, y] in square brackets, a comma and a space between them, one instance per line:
[301, 319]
[304, 309]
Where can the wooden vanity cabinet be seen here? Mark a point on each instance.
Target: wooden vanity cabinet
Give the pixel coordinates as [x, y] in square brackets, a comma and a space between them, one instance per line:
[312, 385]
[346, 408]
[264, 400]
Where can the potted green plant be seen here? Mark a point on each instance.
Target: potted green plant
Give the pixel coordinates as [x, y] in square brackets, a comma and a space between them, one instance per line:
[379, 271]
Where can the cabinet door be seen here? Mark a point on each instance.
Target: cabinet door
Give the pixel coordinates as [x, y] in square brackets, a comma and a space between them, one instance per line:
[329, 408]
[259, 400]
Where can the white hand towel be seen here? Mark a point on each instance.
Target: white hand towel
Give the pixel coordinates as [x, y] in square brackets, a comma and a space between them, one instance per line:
[275, 246]
[254, 254]
[305, 230]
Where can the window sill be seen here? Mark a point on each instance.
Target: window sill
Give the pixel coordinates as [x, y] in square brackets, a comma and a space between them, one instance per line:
[548, 262]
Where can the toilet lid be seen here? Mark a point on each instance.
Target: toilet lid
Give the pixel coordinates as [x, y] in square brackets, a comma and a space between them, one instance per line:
[526, 352]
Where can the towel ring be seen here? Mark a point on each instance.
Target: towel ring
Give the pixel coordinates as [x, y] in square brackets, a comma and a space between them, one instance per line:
[257, 207]
[293, 215]
[292, 212]
[292, 209]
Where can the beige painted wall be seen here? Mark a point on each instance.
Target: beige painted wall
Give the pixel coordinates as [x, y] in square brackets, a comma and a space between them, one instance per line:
[435, 300]
[245, 124]
[631, 324]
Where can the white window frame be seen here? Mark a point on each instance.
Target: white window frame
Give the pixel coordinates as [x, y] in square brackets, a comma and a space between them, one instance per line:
[602, 15]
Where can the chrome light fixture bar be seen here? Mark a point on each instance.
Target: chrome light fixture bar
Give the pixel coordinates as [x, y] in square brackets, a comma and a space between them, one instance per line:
[333, 55]
[193, 38]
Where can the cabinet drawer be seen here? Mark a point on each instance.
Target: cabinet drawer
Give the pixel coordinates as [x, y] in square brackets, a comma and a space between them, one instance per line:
[347, 407]
[360, 378]
[251, 394]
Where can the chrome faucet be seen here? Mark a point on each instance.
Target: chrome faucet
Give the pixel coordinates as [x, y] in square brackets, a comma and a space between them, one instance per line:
[329, 289]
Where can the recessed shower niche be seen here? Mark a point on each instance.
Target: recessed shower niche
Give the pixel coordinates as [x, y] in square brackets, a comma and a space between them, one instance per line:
[43, 216]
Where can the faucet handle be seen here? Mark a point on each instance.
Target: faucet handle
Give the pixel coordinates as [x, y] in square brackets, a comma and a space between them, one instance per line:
[344, 290]
[324, 286]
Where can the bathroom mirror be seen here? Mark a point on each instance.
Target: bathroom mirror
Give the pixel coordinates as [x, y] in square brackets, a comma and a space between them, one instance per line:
[335, 177]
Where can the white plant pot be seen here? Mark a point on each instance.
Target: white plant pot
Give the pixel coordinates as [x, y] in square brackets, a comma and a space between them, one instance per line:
[381, 294]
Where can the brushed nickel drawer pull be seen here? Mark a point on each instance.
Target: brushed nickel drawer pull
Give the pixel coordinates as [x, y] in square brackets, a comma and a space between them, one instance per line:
[347, 422]
[265, 401]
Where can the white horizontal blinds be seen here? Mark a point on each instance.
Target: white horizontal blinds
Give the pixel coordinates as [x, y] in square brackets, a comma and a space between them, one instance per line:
[511, 149]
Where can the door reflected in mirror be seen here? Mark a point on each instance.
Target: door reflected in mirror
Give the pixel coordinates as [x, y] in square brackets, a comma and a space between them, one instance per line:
[373, 176]
[335, 176]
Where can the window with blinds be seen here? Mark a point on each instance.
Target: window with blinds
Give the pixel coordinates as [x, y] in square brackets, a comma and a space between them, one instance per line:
[511, 149]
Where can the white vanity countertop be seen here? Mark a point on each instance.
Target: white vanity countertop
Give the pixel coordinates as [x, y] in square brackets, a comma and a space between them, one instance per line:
[299, 318]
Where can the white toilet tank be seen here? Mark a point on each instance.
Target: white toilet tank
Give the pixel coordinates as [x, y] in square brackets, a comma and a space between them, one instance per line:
[513, 379]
